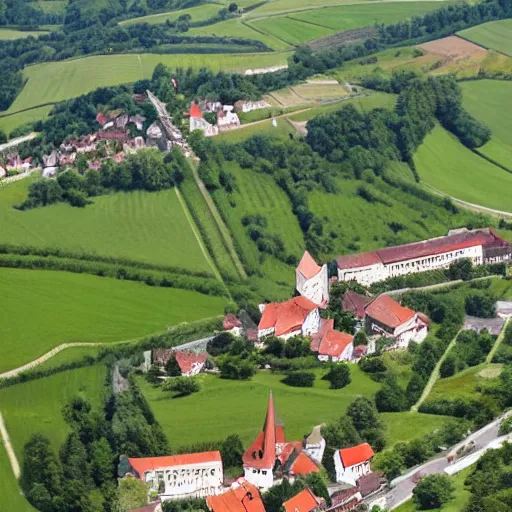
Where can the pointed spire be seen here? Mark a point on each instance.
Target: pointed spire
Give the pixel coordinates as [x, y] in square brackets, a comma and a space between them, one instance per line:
[269, 429]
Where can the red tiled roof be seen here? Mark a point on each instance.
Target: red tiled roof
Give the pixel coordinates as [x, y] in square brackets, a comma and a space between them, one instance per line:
[356, 454]
[316, 339]
[280, 434]
[305, 501]
[113, 135]
[186, 359]
[231, 321]
[303, 465]
[308, 267]
[421, 249]
[195, 111]
[334, 343]
[142, 465]
[369, 483]
[288, 450]
[360, 350]
[101, 119]
[388, 311]
[286, 316]
[231, 501]
[355, 303]
[424, 318]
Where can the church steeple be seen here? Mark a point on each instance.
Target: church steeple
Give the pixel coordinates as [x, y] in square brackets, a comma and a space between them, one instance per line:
[269, 430]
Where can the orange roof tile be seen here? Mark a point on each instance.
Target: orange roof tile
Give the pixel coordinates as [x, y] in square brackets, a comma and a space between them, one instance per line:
[195, 111]
[334, 343]
[308, 266]
[316, 339]
[288, 450]
[142, 465]
[356, 454]
[305, 501]
[231, 501]
[355, 303]
[186, 359]
[388, 311]
[286, 316]
[303, 465]
[230, 321]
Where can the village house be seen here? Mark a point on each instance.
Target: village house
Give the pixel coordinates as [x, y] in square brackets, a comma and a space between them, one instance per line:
[332, 345]
[194, 475]
[191, 363]
[242, 497]
[209, 106]
[479, 245]
[312, 281]
[290, 318]
[249, 106]
[386, 317]
[353, 463]
[345, 500]
[197, 122]
[232, 325]
[314, 444]
[305, 501]
[356, 303]
[227, 119]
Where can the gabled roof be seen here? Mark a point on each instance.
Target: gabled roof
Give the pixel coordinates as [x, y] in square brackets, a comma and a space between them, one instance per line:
[195, 111]
[355, 303]
[356, 454]
[334, 343]
[231, 501]
[302, 465]
[326, 324]
[308, 266]
[142, 465]
[187, 359]
[231, 321]
[305, 501]
[286, 316]
[389, 312]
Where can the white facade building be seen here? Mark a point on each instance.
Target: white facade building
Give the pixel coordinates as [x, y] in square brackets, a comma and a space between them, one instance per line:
[311, 280]
[314, 444]
[227, 119]
[353, 463]
[194, 475]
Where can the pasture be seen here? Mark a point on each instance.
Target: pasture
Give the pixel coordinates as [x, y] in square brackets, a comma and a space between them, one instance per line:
[448, 166]
[489, 101]
[149, 227]
[494, 35]
[225, 407]
[282, 130]
[198, 13]
[7, 34]
[50, 6]
[47, 308]
[11, 122]
[35, 406]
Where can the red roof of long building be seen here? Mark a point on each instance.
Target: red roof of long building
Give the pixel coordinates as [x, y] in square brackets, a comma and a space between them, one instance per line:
[142, 465]
[231, 501]
[334, 343]
[389, 312]
[356, 454]
[286, 316]
[308, 266]
[305, 501]
[421, 249]
[186, 359]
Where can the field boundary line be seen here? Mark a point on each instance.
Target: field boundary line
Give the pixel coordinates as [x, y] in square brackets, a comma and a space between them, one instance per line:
[220, 223]
[15, 465]
[435, 375]
[497, 343]
[205, 252]
[268, 34]
[490, 160]
[290, 17]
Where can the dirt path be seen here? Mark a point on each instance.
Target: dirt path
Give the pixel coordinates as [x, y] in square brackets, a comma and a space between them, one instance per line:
[496, 345]
[15, 465]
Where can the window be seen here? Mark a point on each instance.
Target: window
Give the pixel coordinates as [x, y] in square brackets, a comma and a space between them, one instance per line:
[264, 472]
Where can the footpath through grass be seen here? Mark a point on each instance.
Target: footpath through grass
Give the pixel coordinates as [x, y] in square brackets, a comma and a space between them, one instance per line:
[46, 309]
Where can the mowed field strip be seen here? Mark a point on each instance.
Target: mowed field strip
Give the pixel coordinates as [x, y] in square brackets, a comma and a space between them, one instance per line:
[495, 35]
[7, 34]
[198, 13]
[47, 308]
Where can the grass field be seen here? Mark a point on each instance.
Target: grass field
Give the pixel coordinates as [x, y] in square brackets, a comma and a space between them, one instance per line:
[36, 406]
[7, 34]
[9, 123]
[198, 13]
[226, 407]
[494, 35]
[47, 308]
[489, 101]
[283, 129]
[502, 288]
[50, 6]
[444, 163]
[142, 226]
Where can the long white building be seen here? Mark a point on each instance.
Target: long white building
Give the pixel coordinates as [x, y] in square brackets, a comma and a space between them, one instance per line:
[479, 245]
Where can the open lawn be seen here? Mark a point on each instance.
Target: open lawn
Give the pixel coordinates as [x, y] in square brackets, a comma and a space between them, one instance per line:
[9, 123]
[198, 13]
[445, 164]
[283, 129]
[7, 34]
[494, 35]
[149, 227]
[50, 6]
[489, 101]
[36, 406]
[47, 308]
[226, 407]
[56, 81]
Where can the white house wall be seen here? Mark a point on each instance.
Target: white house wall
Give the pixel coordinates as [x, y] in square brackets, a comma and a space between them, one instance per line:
[351, 474]
[261, 478]
[316, 288]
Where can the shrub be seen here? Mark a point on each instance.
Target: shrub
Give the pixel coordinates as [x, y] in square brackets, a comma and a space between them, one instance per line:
[339, 376]
[300, 379]
[481, 304]
[183, 386]
[433, 491]
[236, 368]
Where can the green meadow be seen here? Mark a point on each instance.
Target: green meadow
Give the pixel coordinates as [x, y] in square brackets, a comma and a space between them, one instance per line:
[198, 13]
[47, 308]
[489, 101]
[36, 406]
[7, 34]
[50, 6]
[9, 123]
[149, 227]
[445, 164]
[494, 35]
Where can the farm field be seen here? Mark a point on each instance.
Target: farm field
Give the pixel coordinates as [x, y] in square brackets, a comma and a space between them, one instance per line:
[48, 308]
[50, 6]
[283, 129]
[149, 227]
[489, 101]
[198, 13]
[7, 34]
[240, 406]
[35, 406]
[9, 123]
[444, 163]
[494, 35]
[56, 81]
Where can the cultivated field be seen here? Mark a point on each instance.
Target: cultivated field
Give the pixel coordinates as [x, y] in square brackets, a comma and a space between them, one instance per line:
[7, 34]
[452, 47]
[9, 123]
[239, 407]
[494, 35]
[198, 13]
[36, 406]
[47, 308]
[489, 101]
[445, 164]
[149, 227]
